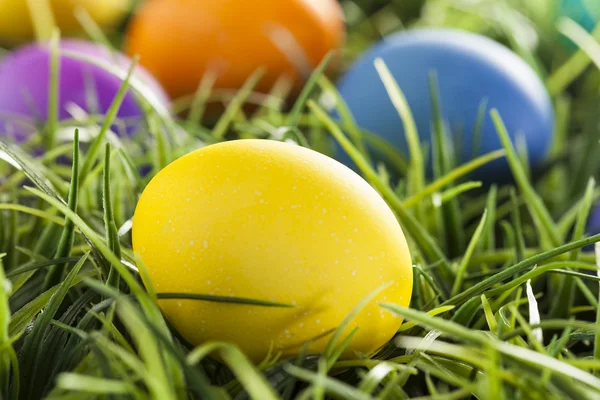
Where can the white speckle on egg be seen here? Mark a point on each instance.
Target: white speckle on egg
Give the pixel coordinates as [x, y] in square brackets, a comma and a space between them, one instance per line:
[354, 273]
[318, 321]
[178, 304]
[208, 282]
[206, 244]
[324, 211]
[191, 242]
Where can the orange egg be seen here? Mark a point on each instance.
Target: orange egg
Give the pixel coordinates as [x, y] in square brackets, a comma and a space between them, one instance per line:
[180, 40]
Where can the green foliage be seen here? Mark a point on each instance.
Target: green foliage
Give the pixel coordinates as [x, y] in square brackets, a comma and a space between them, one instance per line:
[76, 323]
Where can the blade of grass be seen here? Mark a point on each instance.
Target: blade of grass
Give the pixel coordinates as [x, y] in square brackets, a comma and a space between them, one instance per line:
[65, 245]
[566, 296]
[33, 341]
[236, 104]
[334, 387]
[526, 356]
[246, 373]
[112, 238]
[72, 382]
[417, 170]
[542, 218]
[506, 273]
[42, 19]
[351, 315]
[452, 176]
[413, 227]
[462, 269]
[294, 115]
[457, 190]
[53, 100]
[560, 79]
[108, 120]
[148, 348]
[221, 299]
[597, 336]
[5, 362]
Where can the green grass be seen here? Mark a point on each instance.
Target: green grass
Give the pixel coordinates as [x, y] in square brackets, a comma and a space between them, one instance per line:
[505, 302]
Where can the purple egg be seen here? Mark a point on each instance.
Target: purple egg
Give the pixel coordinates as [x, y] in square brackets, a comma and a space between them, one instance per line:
[25, 85]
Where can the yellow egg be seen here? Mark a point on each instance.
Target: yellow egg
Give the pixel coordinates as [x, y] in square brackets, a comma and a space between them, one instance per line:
[16, 24]
[277, 222]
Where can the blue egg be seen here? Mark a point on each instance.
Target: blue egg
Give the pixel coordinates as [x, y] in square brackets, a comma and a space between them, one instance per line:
[470, 69]
[593, 224]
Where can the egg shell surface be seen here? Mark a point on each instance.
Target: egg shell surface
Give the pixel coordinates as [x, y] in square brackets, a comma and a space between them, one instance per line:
[233, 39]
[25, 85]
[593, 224]
[470, 68]
[16, 24]
[276, 222]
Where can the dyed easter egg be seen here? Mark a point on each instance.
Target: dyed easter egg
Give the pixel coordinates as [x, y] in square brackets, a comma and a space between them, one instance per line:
[17, 27]
[593, 224]
[470, 69]
[233, 39]
[275, 222]
[25, 85]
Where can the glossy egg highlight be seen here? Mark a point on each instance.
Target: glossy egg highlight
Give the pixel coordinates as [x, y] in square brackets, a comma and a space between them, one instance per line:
[276, 222]
[180, 40]
[25, 85]
[16, 23]
[470, 69]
